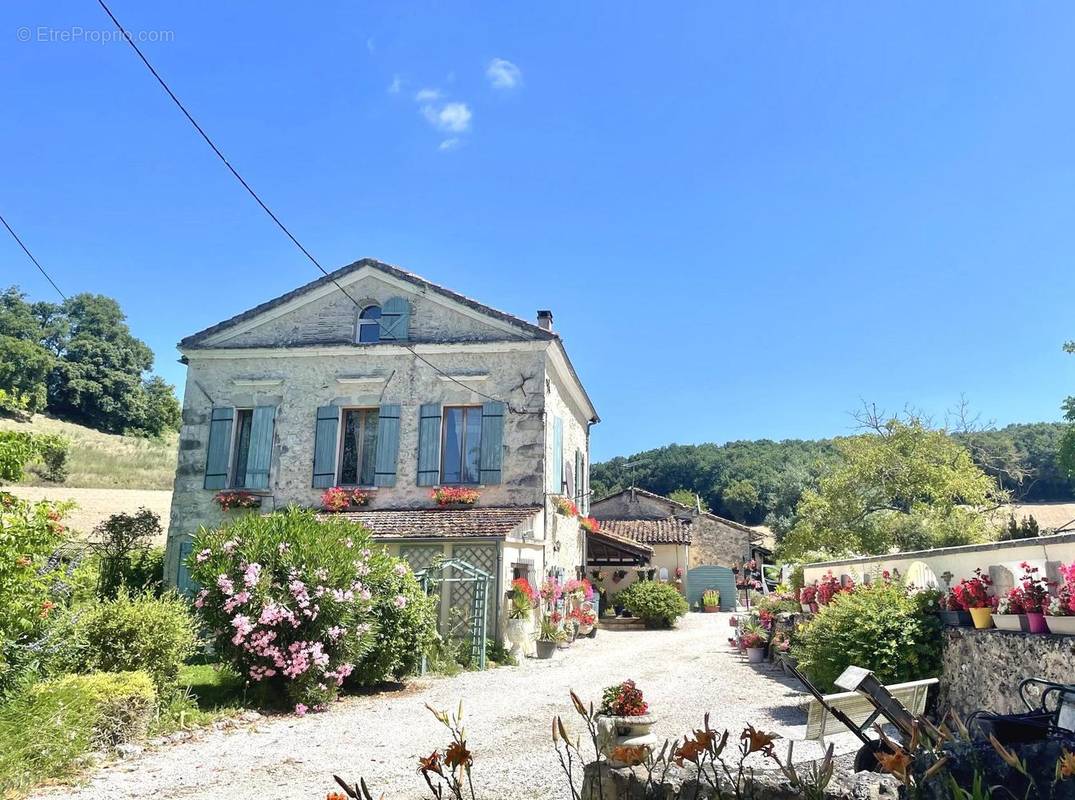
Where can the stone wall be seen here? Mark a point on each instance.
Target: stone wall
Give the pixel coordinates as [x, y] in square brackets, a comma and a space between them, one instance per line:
[982, 669]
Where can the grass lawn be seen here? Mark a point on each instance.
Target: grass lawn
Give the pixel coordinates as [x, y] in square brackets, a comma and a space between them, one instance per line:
[105, 460]
[207, 692]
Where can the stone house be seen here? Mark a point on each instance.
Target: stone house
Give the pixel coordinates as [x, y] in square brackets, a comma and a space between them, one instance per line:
[675, 536]
[376, 378]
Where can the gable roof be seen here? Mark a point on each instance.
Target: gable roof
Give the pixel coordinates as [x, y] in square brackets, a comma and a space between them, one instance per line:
[680, 506]
[670, 530]
[527, 330]
[436, 523]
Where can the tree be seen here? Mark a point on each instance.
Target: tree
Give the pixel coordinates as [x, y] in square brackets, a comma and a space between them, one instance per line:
[687, 497]
[97, 371]
[1066, 457]
[740, 498]
[901, 486]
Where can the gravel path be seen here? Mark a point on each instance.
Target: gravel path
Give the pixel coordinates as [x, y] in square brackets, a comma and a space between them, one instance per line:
[684, 673]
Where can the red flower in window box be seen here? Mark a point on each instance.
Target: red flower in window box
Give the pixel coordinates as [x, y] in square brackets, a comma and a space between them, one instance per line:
[566, 507]
[454, 496]
[360, 497]
[236, 499]
[590, 524]
[335, 499]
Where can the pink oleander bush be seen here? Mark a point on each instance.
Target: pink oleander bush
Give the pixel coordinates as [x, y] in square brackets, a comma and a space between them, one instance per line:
[296, 605]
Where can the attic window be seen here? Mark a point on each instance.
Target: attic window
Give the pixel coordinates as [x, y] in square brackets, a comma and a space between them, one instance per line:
[369, 325]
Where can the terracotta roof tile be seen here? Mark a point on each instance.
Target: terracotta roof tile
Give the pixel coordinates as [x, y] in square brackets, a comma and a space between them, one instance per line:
[429, 523]
[617, 539]
[650, 531]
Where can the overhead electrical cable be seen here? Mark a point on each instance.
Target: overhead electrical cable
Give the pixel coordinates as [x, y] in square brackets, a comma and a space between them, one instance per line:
[30, 255]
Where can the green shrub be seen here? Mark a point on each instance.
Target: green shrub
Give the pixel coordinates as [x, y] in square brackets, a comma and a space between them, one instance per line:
[153, 634]
[52, 451]
[658, 605]
[400, 634]
[123, 544]
[878, 626]
[47, 729]
[291, 600]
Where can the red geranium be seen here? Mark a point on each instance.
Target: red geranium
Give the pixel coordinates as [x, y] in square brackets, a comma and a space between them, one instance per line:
[974, 592]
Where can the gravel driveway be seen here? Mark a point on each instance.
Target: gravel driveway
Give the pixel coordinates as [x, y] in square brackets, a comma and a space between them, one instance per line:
[684, 673]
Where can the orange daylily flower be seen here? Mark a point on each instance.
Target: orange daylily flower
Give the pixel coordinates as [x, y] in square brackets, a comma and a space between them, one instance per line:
[629, 755]
[690, 750]
[894, 763]
[1065, 765]
[759, 741]
[457, 755]
[335, 796]
[430, 763]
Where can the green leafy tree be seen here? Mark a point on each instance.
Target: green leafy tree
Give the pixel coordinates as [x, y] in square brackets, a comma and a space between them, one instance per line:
[901, 486]
[740, 498]
[687, 497]
[1067, 443]
[96, 372]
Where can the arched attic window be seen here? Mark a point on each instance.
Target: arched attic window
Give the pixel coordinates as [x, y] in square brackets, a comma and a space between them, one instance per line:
[369, 325]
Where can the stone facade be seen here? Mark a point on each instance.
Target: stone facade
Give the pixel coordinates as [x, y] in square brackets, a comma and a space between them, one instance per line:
[297, 355]
[982, 669]
[714, 540]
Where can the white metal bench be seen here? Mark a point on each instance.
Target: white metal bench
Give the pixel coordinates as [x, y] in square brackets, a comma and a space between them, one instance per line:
[859, 709]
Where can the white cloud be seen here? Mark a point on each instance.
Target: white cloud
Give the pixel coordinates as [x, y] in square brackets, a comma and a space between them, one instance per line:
[449, 144]
[451, 117]
[427, 95]
[502, 74]
[395, 85]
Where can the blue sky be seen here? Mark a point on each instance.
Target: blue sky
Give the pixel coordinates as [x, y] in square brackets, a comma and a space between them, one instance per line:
[745, 218]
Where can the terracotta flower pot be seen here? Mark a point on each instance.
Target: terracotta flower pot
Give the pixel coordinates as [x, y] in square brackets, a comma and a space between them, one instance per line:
[1036, 622]
[711, 609]
[983, 617]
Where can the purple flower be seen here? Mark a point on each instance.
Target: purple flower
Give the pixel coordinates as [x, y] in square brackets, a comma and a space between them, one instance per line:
[301, 709]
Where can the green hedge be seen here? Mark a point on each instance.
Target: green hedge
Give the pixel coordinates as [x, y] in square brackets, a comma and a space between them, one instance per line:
[880, 627]
[46, 730]
[658, 605]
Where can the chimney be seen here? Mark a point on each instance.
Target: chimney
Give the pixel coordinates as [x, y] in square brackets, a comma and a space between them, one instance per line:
[545, 320]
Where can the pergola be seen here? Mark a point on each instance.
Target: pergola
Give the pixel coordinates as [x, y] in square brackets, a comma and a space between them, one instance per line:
[605, 549]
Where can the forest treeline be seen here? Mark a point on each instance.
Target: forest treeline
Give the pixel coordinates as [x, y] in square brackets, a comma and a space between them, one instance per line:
[761, 481]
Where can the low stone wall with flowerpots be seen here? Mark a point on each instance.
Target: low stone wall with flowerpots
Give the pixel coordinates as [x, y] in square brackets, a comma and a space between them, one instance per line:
[982, 669]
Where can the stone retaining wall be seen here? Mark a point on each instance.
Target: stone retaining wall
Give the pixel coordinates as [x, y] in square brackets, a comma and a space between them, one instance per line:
[982, 669]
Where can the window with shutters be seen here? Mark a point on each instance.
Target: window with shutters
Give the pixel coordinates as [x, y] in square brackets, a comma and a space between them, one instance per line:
[358, 447]
[461, 446]
[369, 325]
[244, 424]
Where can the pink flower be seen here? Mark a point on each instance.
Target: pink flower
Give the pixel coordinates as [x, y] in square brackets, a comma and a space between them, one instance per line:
[400, 601]
[229, 546]
[235, 601]
[203, 556]
[199, 601]
[301, 709]
[401, 569]
[251, 574]
[225, 585]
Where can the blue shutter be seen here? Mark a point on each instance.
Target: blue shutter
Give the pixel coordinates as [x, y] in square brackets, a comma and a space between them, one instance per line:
[387, 446]
[492, 441]
[328, 420]
[556, 474]
[183, 580]
[219, 450]
[395, 320]
[260, 455]
[429, 444]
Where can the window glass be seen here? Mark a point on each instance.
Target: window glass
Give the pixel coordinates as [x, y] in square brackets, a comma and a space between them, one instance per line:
[369, 324]
[359, 451]
[472, 452]
[244, 419]
[452, 452]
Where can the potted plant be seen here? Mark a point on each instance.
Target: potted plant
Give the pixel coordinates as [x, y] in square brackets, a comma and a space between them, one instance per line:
[953, 613]
[829, 587]
[973, 593]
[589, 524]
[711, 601]
[454, 496]
[1010, 614]
[523, 600]
[624, 721]
[754, 643]
[1035, 597]
[548, 636]
[566, 508]
[360, 497]
[1061, 609]
[568, 631]
[585, 617]
[236, 498]
[808, 599]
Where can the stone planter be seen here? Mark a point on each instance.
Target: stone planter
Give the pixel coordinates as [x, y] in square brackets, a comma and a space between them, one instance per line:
[1011, 622]
[1036, 622]
[755, 655]
[956, 619]
[616, 732]
[520, 634]
[585, 630]
[1065, 626]
[983, 617]
[545, 648]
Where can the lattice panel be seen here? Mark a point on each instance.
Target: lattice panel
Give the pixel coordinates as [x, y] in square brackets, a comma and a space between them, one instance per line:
[461, 595]
[421, 556]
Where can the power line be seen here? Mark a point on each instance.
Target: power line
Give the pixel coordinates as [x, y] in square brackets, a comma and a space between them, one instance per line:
[26, 250]
[264, 207]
